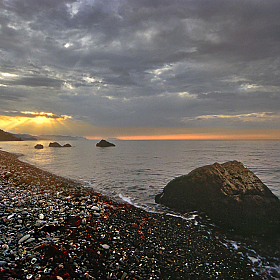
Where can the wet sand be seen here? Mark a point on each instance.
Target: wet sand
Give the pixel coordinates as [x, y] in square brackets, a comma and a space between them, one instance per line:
[55, 228]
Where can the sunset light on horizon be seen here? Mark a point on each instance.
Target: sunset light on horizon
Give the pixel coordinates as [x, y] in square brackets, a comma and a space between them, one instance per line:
[40, 123]
[205, 136]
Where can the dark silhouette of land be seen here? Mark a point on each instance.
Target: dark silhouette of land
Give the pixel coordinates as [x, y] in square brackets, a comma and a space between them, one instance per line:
[6, 136]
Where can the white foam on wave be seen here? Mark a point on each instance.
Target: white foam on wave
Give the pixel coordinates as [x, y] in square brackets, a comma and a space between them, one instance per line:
[234, 244]
[125, 198]
[254, 259]
[189, 218]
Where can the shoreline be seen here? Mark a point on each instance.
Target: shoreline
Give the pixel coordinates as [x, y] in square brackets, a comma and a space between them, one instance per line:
[55, 228]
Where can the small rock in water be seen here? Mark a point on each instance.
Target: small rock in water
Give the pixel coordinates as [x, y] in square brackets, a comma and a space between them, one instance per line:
[39, 146]
[67, 145]
[103, 143]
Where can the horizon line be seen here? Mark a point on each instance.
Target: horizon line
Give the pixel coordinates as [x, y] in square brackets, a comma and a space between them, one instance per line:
[250, 137]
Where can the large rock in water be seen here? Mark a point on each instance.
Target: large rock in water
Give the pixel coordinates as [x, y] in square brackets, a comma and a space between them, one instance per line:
[230, 194]
[55, 145]
[39, 146]
[103, 143]
[67, 145]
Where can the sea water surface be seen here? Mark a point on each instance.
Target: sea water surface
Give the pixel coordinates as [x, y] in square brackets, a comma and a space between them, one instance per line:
[135, 171]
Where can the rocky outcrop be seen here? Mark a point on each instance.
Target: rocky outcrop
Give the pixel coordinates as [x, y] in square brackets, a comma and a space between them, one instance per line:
[67, 145]
[103, 143]
[39, 146]
[230, 194]
[55, 145]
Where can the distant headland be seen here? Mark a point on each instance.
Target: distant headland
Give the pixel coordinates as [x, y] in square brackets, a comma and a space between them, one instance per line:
[6, 136]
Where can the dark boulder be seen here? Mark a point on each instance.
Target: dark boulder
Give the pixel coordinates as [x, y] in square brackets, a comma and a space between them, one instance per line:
[230, 194]
[39, 146]
[103, 143]
[67, 145]
[55, 145]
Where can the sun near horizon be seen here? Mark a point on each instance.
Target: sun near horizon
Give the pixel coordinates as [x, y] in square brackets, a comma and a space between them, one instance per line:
[36, 123]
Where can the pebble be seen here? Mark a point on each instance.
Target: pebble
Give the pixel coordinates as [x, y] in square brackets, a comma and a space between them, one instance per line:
[3, 263]
[105, 246]
[5, 246]
[24, 238]
[11, 216]
[47, 270]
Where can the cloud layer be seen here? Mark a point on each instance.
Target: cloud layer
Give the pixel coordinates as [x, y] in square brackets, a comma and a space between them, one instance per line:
[182, 63]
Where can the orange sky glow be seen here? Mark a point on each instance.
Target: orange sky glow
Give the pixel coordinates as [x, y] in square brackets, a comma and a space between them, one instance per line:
[201, 136]
[47, 123]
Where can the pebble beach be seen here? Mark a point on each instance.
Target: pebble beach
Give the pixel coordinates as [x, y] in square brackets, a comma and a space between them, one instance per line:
[55, 228]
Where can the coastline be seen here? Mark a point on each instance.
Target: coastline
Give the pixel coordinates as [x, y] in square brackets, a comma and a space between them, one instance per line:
[55, 228]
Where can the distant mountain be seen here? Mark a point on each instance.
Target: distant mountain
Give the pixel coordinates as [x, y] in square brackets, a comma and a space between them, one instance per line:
[59, 137]
[6, 136]
[26, 137]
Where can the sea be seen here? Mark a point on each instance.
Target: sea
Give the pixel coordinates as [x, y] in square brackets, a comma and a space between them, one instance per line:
[135, 171]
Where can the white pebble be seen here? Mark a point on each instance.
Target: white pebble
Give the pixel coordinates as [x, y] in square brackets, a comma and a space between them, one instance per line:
[105, 246]
[24, 238]
[5, 246]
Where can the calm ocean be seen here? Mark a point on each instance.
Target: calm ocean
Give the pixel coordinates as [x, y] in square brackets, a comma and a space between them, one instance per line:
[135, 171]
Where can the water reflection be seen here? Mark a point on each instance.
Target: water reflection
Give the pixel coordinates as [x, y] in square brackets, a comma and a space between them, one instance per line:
[129, 169]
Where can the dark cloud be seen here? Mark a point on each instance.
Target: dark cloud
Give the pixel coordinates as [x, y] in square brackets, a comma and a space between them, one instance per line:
[150, 62]
[7, 94]
[38, 82]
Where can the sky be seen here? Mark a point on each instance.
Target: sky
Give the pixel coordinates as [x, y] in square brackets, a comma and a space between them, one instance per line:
[141, 69]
